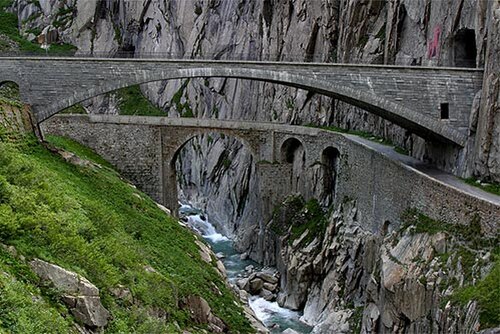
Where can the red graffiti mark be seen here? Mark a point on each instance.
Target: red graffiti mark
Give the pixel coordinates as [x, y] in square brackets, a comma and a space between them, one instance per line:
[433, 47]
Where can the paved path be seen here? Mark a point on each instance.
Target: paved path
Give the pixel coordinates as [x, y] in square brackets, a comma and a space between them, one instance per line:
[428, 170]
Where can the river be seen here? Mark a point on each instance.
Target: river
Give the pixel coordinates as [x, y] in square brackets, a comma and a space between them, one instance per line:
[274, 317]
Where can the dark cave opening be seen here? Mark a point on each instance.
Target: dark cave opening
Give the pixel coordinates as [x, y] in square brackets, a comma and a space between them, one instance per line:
[464, 48]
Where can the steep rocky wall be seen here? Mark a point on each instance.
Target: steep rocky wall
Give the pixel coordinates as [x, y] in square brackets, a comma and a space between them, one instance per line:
[349, 280]
[486, 156]
[423, 32]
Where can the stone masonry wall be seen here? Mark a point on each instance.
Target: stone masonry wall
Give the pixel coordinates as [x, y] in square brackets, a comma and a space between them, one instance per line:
[134, 150]
[383, 187]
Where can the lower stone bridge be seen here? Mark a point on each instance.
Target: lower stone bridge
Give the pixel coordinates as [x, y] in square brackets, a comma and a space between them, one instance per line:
[145, 149]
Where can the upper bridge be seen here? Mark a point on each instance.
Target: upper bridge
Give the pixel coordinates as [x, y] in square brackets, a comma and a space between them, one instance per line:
[434, 103]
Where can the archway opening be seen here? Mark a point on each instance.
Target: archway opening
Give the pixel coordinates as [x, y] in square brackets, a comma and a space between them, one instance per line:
[330, 163]
[215, 173]
[386, 228]
[9, 90]
[290, 149]
[293, 153]
[464, 48]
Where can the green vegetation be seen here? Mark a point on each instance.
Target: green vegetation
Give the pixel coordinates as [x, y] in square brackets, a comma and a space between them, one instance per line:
[86, 219]
[493, 188]
[470, 242]
[64, 16]
[356, 319]
[381, 33]
[470, 233]
[363, 40]
[297, 216]
[10, 92]
[133, 102]
[364, 134]
[487, 294]
[84, 152]
[184, 109]
[19, 312]
[8, 28]
[198, 10]
[76, 109]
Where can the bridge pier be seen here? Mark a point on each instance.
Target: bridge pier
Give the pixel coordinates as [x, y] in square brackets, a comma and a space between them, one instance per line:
[169, 188]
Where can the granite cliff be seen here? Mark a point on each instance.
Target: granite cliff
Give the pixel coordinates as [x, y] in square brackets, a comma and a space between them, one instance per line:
[218, 173]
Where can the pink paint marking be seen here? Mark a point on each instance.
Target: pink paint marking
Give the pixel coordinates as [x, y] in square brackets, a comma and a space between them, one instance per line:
[433, 47]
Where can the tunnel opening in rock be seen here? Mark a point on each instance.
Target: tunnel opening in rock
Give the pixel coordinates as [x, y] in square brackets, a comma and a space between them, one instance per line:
[464, 48]
[329, 162]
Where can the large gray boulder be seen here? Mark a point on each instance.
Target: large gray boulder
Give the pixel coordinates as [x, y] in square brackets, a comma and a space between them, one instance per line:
[79, 294]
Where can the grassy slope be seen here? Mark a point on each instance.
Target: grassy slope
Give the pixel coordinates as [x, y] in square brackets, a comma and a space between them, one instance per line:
[133, 102]
[88, 220]
[8, 28]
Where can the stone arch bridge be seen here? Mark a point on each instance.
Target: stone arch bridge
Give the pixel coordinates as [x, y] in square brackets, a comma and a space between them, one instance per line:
[434, 103]
[144, 150]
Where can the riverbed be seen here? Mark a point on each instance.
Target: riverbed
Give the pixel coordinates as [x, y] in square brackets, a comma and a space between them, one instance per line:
[274, 317]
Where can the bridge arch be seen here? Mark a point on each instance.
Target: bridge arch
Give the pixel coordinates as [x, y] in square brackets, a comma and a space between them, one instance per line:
[330, 160]
[224, 163]
[290, 148]
[189, 136]
[11, 88]
[421, 124]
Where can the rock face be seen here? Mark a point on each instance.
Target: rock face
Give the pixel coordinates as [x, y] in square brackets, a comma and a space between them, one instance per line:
[202, 314]
[348, 280]
[81, 296]
[487, 151]
[432, 32]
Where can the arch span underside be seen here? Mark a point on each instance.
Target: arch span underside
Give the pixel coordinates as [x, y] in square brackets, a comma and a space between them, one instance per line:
[419, 124]
[190, 134]
[408, 97]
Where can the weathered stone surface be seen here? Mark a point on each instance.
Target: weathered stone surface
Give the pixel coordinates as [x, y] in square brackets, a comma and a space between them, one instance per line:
[205, 252]
[486, 160]
[256, 285]
[123, 293]
[201, 313]
[380, 90]
[375, 283]
[289, 331]
[268, 278]
[81, 296]
[142, 162]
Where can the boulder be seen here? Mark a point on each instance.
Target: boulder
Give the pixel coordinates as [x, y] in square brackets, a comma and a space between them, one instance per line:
[256, 286]
[243, 284]
[290, 331]
[267, 277]
[79, 294]
[267, 295]
[123, 293]
[205, 252]
[270, 287]
[201, 313]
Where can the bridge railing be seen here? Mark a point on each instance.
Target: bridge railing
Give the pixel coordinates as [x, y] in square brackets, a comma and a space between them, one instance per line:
[174, 55]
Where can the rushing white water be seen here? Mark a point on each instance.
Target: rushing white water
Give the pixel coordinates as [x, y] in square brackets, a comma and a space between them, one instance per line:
[276, 318]
[200, 223]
